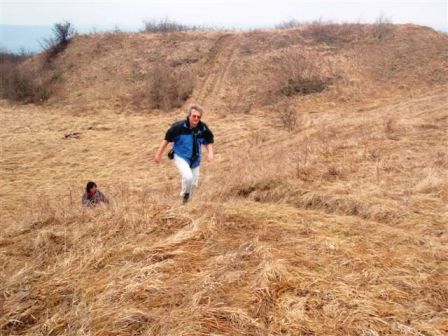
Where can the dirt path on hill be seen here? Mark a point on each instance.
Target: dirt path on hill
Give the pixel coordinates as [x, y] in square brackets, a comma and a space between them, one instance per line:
[224, 55]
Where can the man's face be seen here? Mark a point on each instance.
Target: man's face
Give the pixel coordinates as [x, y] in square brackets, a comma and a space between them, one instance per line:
[194, 118]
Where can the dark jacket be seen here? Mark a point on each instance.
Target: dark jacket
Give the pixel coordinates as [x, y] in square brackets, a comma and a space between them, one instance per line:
[188, 141]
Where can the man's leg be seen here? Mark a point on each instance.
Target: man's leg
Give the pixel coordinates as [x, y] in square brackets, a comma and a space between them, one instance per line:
[186, 173]
[194, 183]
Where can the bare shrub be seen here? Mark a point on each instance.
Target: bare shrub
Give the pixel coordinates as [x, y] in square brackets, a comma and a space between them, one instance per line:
[169, 26]
[321, 32]
[382, 27]
[332, 33]
[163, 26]
[304, 86]
[293, 23]
[288, 116]
[251, 41]
[7, 57]
[299, 72]
[247, 46]
[20, 84]
[167, 87]
[63, 34]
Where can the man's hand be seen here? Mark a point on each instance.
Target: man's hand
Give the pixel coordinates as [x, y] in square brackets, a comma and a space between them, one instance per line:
[158, 158]
[160, 151]
[209, 152]
[209, 156]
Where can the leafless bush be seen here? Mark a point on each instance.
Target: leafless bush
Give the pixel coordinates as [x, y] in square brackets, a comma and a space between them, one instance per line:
[19, 84]
[167, 87]
[332, 33]
[382, 27]
[321, 32]
[251, 41]
[293, 23]
[288, 116]
[299, 72]
[247, 46]
[63, 34]
[7, 57]
[169, 26]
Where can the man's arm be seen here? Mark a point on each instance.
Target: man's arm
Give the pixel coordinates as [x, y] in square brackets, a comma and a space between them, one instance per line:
[209, 152]
[158, 156]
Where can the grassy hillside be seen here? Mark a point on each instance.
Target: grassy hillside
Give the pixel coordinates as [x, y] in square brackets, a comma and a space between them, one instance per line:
[244, 70]
[324, 212]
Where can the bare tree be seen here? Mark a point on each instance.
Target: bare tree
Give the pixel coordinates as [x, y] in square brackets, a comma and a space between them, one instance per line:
[62, 35]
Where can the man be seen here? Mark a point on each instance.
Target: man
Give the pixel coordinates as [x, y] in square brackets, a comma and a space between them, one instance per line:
[188, 136]
[93, 196]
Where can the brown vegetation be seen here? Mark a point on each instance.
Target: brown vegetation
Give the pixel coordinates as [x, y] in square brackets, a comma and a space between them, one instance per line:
[166, 87]
[322, 214]
[334, 61]
[169, 26]
[22, 84]
[302, 73]
[63, 33]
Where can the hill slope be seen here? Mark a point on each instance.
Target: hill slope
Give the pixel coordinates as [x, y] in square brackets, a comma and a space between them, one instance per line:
[231, 70]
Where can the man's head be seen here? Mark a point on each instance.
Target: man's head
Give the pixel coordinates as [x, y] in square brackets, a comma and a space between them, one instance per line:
[194, 115]
[90, 187]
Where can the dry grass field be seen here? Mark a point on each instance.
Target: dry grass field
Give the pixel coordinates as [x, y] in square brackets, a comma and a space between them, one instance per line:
[324, 212]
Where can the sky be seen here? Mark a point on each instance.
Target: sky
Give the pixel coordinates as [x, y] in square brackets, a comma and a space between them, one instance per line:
[130, 15]
[218, 12]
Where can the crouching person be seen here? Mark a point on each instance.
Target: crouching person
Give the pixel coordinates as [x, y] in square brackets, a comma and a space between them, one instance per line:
[93, 196]
[188, 135]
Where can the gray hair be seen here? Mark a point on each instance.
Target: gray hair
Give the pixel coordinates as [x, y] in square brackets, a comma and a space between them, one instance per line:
[195, 107]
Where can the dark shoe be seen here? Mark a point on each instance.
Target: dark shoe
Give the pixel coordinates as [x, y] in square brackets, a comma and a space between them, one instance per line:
[185, 198]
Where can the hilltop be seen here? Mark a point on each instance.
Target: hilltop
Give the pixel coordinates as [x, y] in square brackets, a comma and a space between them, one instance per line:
[244, 70]
[324, 212]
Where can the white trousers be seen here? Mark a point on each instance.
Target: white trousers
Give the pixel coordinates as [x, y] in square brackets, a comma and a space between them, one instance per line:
[190, 177]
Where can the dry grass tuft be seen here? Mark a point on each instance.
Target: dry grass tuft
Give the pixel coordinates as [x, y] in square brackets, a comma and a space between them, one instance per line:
[289, 116]
[433, 181]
